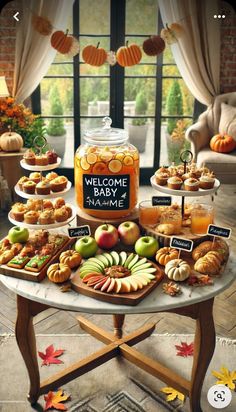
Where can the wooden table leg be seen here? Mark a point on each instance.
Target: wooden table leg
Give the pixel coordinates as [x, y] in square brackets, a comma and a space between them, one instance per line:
[118, 321]
[204, 346]
[25, 338]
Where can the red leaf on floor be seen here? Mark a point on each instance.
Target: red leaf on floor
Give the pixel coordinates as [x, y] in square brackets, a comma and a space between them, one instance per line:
[50, 355]
[54, 399]
[184, 349]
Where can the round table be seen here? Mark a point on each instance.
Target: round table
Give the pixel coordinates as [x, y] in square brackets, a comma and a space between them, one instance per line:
[195, 302]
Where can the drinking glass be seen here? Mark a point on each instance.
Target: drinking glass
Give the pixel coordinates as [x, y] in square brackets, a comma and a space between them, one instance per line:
[202, 215]
[148, 214]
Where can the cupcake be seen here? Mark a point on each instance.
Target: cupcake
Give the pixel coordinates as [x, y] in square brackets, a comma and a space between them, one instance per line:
[163, 169]
[189, 175]
[191, 184]
[174, 182]
[46, 217]
[34, 204]
[51, 175]
[204, 170]
[22, 180]
[29, 157]
[207, 181]
[161, 178]
[59, 202]
[35, 177]
[173, 170]
[41, 160]
[61, 214]
[18, 210]
[31, 217]
[52, 156]
[43, 188]
[59, 183]
[29, 187]
[180, 170]
[47, 204]
[69, 210]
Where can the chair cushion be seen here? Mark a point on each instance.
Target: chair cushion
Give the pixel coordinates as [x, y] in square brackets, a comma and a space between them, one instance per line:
[220, 163]
[228, 120]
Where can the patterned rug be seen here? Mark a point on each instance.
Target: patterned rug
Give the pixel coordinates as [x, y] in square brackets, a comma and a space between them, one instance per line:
[117, 386]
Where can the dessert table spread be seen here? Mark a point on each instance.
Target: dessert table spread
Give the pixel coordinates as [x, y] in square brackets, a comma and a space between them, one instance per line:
[195, 302]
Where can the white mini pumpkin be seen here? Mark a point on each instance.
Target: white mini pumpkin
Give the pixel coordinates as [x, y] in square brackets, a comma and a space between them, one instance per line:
[11, 142]
[177, 269]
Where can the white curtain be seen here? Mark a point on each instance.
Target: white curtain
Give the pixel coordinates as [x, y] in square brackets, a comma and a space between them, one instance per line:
[34, 53]
[197, 52]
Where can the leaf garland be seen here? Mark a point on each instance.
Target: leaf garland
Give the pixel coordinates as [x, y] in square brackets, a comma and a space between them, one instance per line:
[172, 394]
[225, 377]
[50, 356]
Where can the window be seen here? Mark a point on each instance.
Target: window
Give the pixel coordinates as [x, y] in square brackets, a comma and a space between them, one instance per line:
[74, 96]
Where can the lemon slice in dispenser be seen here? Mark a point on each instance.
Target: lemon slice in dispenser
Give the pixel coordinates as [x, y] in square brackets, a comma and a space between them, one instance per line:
[91, 158]
[84, 164]
[115, 166]
[128, 160]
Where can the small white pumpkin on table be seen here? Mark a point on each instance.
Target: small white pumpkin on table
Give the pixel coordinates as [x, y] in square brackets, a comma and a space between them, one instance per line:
[11, 141]
[177, 270]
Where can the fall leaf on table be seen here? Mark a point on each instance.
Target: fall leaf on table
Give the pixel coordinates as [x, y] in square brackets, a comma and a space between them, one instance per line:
[185, 349]
[54, 399]
[225, 377]
[202, 280]
[172, 394]
[171, 289]
[50, 356]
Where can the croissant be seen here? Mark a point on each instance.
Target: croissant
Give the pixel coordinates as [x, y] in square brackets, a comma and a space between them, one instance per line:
[201, 250]
[208, 265]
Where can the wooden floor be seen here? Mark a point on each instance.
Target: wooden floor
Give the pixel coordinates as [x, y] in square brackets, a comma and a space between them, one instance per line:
[54, 321]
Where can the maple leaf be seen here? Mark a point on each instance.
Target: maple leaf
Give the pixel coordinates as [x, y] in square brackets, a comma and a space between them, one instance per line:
[172, 394]
[54, 399]
[50, 355]
[225, 377]
[184, 349]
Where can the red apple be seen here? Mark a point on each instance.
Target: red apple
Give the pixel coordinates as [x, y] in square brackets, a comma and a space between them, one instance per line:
[106, 236]
[129, 232]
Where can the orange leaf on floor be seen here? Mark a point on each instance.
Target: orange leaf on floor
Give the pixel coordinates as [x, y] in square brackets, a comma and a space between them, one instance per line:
[54, 399]
[50, 355]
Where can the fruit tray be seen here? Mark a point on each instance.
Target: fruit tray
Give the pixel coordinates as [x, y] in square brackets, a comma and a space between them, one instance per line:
[36, 196]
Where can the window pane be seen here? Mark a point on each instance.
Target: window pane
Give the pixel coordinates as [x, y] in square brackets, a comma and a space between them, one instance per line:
[141, 70]
[141, 17]
[142, 137]
[180, 101]
[173, 145]
[94, 16]
[94, 97]
[57, 96]
[143, 93]
[168, 56]
[60, 69]
[170, 70]
[62, 58]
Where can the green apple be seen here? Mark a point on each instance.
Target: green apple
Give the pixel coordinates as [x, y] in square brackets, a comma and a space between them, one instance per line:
[18, 234]
[86, 246]
[146, 246]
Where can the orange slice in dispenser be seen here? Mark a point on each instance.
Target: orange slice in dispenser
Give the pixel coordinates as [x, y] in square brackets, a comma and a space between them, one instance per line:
[84, 164]
[135, 155]
[92, 158]
[92, 149]
[115, 166]
[100, 168]
[120, 156]
[128, 160]
[106, 154]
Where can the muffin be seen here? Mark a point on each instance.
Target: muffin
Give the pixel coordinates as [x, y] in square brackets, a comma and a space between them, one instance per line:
[51, 175]
[207, 181]
[46, 217]
[174, 182]
[180, 170]
[29, 187]
[35, 177]
[31, 217]
[61, 214]
[47, 204]
[69, 210]
[43, 188]
[189, 175]
[22, 180]
[163, 169]
[173, 170]
[29, 157]
[34, 204]
[41, 160]
[59, 183]
[59, 202]
[52, 156]
[191, 184]
[18, 210]
[161, 178]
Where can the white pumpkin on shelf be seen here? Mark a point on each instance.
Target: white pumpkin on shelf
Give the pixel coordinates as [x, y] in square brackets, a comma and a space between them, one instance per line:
[177, 269]
[11, 141]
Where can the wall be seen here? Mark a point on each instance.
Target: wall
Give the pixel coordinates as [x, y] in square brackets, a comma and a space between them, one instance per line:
[228, 45]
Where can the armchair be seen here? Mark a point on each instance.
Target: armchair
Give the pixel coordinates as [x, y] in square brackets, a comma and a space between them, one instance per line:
[220, 116]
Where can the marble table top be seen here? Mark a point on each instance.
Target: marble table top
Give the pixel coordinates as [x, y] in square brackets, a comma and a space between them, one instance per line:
[49, 294]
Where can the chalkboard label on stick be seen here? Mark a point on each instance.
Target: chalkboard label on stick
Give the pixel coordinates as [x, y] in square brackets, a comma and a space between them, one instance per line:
[106, 192]
[182, 244]
[79, 231]
[219, 231]
[161, 200]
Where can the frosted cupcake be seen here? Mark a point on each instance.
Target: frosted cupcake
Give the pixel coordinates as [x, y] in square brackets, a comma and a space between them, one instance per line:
[191, 184]
[207, 181]
[174, 182]
[161, 178]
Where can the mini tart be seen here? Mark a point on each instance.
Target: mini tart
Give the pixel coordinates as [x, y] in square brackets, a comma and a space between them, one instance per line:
[59, 184]
[35, 177]
[51, 175]
[29, 187]
[46, 217]
[43, 188]
[161, 178]
[47, 204]
[206, 181]
[61, 214]
[41, 160]
[59, 202]
[174, 182]
[21, 181]
[191, 184]
[29, 157]
[31, 217]
[34, 204]
[18, 210]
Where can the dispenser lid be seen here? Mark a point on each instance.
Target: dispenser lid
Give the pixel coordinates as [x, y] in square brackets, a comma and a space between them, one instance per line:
[106, 135]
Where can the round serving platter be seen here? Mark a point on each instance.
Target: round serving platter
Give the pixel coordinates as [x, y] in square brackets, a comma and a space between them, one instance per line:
[187, 193]
[36, 196]
[38, 168]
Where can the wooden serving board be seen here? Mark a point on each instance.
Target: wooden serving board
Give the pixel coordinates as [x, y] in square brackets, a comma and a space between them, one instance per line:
[165, 239]
[132, 298]
[34, 276]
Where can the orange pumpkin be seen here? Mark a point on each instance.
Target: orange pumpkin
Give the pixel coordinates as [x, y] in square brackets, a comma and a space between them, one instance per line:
[153, 46]
[128, 55]
[42, 25]
[95, 56]
[61, 41]
[222, 143]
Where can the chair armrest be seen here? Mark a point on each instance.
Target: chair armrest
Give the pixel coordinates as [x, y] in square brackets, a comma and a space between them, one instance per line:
[199, 135]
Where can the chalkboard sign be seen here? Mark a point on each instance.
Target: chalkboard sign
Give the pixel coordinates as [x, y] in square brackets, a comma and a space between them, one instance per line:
[219, 231]
[161, 200]
[180, 243]
[79, 231]
[106, 192]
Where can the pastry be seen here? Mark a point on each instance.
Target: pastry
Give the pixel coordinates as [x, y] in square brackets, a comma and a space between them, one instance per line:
[29, 157]
[186, 222]
[51, 175]
[29, 187]
[34, 204]
[222, 247]
[5, 244]
[166, 229]
[47, 204]
[70, 258]
[6, 256]
[41, 160]
[18, 262]
[18, 210]
[37, 263]
[204, 170]
[201, 250]
[69, 210]
[163, 170]
[59, 184]
[16, 248]
[207, 265]
[31, 217]
[161, 178]
[61, 214]
[35, 177]
[46, 217]
[59, 202]
[21, 181]
[47, 249]
[173, 170]
[174, 182]
[180, 170]
[52, 156]
[43, 188]
[206, 181]
[28, 250]
[191, 184]
[189, 175]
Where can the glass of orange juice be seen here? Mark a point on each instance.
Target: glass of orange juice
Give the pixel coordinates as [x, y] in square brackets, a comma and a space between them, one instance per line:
[148, 214]
[202, 215]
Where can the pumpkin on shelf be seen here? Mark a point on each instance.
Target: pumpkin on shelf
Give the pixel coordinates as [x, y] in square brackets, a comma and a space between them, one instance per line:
[11, 141]
[172, 33]
[154, 45]
[166, 254]
[222, 143]
[177, 269]
[128, 55]
[70, 258]
[42, 25]
[95, 56]
[64, 43]
[58, 272]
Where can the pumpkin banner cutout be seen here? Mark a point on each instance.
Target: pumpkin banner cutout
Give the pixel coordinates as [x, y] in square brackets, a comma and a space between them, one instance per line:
[222, 143]
[64, 43]
[11, 141]
[42, 25]
[171, 33]
[153, 46]
[129, 55]
[95, 56]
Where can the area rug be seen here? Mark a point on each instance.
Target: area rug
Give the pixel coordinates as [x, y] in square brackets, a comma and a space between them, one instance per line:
[116, 386]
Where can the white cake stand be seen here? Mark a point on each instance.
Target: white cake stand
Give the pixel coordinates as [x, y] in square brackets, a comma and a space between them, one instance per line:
[37, 168]
[36, 196]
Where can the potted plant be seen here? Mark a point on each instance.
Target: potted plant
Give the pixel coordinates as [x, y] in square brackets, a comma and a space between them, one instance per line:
[139, 127]
[56, 132]
[174, 129]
